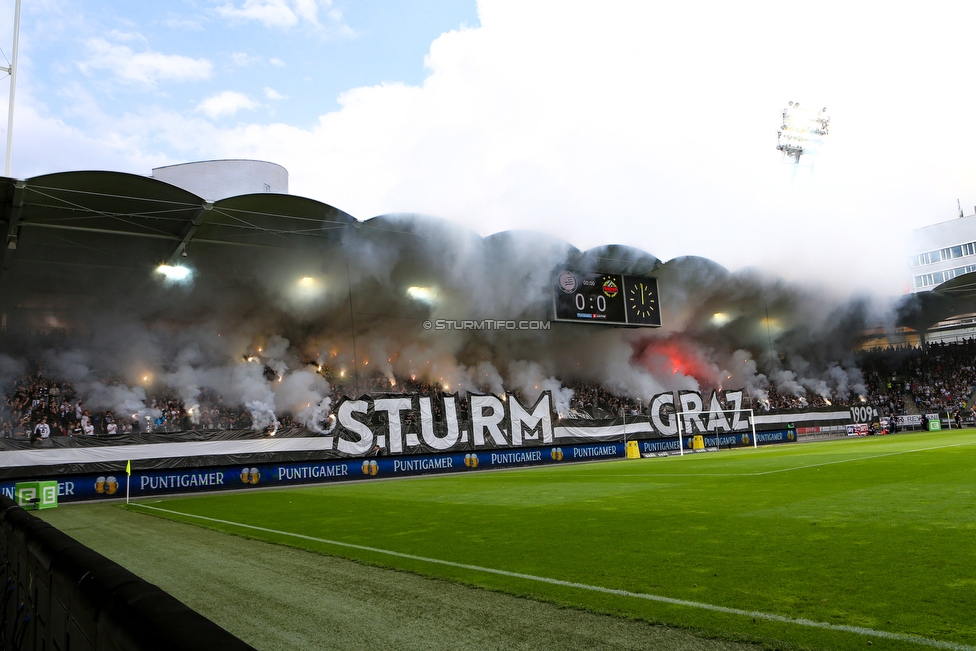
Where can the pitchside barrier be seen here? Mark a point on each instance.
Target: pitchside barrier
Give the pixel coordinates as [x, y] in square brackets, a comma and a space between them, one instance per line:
[59, 595]
[154, 482]
[398, 434]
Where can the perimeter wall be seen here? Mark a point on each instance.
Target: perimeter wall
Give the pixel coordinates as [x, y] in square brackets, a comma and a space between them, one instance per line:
[59, 595]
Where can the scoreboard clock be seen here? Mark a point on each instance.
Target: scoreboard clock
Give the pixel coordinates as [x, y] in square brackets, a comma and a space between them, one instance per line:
[594, 297]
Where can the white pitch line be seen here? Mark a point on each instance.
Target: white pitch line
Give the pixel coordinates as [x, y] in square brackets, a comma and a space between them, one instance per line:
[636, 475]
[860, 630]
[872, 456]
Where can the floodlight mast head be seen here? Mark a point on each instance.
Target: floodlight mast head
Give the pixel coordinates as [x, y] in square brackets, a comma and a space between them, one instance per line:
[800, 130]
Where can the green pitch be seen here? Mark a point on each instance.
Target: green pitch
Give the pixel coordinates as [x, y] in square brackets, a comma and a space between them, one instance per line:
[831, 545]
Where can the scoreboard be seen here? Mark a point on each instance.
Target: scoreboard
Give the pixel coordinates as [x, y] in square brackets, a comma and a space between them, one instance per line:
[616, 299]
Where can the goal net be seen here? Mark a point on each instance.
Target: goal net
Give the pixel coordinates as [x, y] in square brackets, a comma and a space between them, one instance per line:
[736, 425]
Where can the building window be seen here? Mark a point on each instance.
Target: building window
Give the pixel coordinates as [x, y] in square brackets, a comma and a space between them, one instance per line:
[936, 278]
[932, 257]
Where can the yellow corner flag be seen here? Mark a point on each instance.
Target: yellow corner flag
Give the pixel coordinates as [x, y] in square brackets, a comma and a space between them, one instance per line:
[128, 467]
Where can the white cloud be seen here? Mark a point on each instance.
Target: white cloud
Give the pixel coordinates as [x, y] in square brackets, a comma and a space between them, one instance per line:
[288, 13]
[43, 144]
[272, 94]
[130, 37]
[272, 13]
[183, 23]
[225, 104]
[275, 61]
[657, 129]
[308, 10]
[242, 59]
[143, 67]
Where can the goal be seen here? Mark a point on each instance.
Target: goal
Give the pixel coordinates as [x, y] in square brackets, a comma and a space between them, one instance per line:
[733, 417]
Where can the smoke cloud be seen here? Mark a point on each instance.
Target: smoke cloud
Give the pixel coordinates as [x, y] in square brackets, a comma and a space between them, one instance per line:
[285, 330]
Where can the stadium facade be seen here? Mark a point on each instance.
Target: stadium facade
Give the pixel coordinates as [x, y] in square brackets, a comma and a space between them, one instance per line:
[941, 307]
[219, 179]
[943, 251]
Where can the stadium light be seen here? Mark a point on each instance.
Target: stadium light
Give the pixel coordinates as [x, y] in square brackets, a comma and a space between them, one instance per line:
[771, 325]
[307, 288]
[174, 274]
[426, 295]
[308, 285]
[801, 131]
[719, 319]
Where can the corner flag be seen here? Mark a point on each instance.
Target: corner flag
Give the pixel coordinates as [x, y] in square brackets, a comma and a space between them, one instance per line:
[128, 473]
[128, 467]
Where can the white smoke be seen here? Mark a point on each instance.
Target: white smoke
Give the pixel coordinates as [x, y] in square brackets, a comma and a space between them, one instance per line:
[484, 377]
[119, 398]
[191, 341]
[73, 365]
[529, 379]
[10, 370]
[251, 389]
[742, 373]
[305, 394]
[785, 382]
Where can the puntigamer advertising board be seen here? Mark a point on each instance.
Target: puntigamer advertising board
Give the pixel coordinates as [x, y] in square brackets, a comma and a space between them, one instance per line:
[147, 483]
[143, 483]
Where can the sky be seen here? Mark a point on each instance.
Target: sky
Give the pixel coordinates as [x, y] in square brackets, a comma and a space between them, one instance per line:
[651, 124]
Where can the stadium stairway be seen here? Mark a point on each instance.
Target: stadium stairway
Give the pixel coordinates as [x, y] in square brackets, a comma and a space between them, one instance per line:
[910, 407]
[971, 401]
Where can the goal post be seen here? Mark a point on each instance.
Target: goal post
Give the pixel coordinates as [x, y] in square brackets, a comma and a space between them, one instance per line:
[750, 423]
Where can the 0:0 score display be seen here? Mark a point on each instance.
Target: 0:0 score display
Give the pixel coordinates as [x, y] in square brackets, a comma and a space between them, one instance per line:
[597, 297]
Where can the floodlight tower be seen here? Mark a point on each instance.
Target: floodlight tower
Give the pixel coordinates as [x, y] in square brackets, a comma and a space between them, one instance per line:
[12, 71]
[801, 130]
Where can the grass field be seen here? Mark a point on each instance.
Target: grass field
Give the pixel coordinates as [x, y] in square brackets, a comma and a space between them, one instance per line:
[833, 545]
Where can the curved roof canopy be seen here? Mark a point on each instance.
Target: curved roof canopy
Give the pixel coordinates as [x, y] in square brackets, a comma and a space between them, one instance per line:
[128, 205]
[80, 236]
[80, 243]
[952, 298]
[120, 206]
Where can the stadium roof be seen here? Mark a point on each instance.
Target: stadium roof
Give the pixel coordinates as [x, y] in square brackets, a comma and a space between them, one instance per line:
[82, 216]
[952, 298]
[93, 238]
[132, 206]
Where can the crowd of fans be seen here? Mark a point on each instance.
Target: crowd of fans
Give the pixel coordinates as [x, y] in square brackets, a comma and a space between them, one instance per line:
[597, 402]
[39, 407]
[938, 379]
[899, 380]
[771, 398]
[50, 408]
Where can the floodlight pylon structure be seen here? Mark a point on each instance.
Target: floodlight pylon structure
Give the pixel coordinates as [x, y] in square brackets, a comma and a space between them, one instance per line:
[12, 71]
[801, 130]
